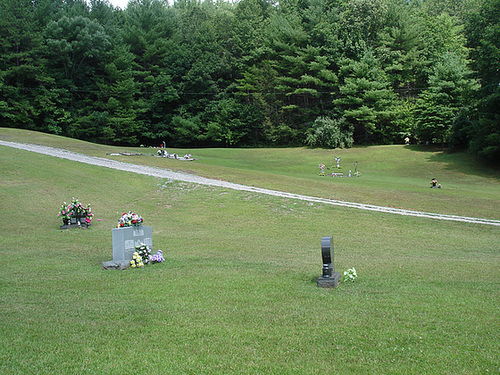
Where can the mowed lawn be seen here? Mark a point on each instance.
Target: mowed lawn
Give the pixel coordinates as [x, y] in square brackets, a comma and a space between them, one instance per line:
[237, 293]
[396, 176]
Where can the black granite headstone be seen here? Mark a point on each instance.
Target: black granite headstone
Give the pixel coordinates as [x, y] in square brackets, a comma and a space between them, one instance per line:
[330, 278]
[76, 221]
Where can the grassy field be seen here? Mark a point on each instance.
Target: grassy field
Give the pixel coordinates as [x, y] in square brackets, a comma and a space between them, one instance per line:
[396, 176]
[237, 293]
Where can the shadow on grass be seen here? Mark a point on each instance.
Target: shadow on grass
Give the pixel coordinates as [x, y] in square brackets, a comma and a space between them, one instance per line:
[459, 161]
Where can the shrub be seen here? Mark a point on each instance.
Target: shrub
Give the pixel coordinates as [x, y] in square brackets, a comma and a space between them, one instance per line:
[331, 133]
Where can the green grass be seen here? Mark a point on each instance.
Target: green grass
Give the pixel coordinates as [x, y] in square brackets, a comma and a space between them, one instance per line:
[396, 176]
[237, 293]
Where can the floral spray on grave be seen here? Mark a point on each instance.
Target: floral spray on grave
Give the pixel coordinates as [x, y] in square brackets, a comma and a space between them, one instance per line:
[129, 219]
[75, 214]
[143, 256]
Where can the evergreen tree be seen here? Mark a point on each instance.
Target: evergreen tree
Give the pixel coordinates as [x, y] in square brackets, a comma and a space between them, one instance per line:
[76, 49]
[366, 100]
[26, 89]
[450, 90]
[148, 31]
[253, 72]
[399, 50]
[483, 31]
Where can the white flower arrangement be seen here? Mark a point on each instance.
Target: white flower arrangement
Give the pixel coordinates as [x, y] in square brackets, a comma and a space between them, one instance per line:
[350, 275]
[144, 252]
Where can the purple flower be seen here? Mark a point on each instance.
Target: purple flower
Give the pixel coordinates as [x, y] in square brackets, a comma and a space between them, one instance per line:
[158, 257]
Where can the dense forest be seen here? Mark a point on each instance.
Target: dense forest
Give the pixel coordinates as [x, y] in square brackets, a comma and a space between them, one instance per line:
[322, 73]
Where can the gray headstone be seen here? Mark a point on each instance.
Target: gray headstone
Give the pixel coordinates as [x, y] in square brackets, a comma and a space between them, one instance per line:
[126, 239]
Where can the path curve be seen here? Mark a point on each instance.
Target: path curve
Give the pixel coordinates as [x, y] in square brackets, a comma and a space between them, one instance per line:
[164, 173]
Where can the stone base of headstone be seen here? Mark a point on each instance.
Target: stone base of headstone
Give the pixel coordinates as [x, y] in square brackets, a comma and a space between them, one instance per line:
[76, 221]
[73, 226]
[112, 265]
[329, 282]
[126, 239]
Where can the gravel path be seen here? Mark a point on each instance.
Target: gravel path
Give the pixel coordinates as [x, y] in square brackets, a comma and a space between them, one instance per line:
[163, 173]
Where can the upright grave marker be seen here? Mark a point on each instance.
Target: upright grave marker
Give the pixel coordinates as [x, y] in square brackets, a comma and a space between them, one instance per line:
[330, 278]
[126, 239]
[337, 159]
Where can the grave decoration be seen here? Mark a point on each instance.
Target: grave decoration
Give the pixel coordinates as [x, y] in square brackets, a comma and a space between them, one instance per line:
[337, 160]
[329, 278]
[351, 173]
[321, 169]
[166, 154]
[129, 219]
[136, 261]
[75, 215]
[350, 275]
[144, 252]
[143, 256]
[158, 257]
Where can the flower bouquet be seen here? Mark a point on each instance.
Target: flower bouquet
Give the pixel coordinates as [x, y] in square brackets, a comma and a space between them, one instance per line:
[158, 257]
[136, 261]
[143, 256]
[129, 219]
[64, 213]
[350, 275]
[144, 252]
[75, 213]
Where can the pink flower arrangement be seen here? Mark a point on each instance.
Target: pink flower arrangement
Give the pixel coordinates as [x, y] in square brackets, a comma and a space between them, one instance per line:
[75, 208]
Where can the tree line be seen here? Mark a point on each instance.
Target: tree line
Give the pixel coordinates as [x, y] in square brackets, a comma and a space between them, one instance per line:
[322, 73]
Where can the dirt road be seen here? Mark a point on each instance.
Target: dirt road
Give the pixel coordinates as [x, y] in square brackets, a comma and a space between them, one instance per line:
[163, 173]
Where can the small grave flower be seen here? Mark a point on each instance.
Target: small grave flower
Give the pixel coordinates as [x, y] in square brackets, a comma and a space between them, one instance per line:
[144, 252]
[63, 212]
[350, 275]
[136, 261]
[158, 257]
